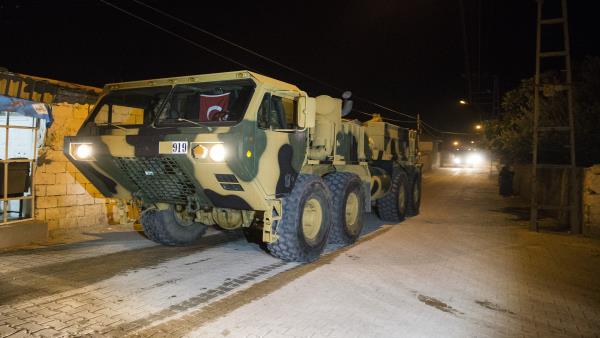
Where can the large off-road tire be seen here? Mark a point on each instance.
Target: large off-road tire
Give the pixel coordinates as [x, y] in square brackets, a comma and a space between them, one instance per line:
[392, 206]
[414, 198]
[347, 204]
[166, 228]
[303, 229]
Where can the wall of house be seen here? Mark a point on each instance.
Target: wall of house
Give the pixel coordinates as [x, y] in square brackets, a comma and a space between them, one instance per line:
[591, 200]
[64, 197]
[553, 189]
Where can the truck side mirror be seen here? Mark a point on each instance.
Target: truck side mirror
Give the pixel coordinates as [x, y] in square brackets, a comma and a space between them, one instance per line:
[307, 109]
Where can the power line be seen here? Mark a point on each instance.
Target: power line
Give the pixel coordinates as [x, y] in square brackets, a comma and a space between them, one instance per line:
[399, 121]
[366, 100]
[444, 132]
[426, 130]
[456, 133]
[175, 34]
[412, 121]
[432, 127]
[250, 51]
[383, 118]
[362, 112]
[385, 108]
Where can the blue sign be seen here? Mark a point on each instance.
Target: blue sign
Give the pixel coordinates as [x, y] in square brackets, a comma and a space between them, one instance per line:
[26, 108]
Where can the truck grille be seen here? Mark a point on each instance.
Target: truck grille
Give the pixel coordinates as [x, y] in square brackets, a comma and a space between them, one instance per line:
[159, 178]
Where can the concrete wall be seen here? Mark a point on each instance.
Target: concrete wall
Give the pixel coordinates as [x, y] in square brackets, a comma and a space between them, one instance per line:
[591, 201]
[64, 198]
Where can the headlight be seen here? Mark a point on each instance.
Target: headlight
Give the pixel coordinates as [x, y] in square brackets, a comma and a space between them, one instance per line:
[217, 153]
[475, 159]
[82, 151]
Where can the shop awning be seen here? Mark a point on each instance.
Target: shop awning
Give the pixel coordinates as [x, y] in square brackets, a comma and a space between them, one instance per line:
[26, 108]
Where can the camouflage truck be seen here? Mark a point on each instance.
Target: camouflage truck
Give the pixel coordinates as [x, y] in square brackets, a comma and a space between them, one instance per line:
[242, 150]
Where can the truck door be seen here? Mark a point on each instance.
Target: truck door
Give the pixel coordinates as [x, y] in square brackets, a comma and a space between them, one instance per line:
[282, 159]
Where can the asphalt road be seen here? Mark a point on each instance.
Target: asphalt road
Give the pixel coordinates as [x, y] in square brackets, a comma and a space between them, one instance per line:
[466, 266]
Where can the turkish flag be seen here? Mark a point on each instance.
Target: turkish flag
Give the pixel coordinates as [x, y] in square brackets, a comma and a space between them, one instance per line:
[213, 107]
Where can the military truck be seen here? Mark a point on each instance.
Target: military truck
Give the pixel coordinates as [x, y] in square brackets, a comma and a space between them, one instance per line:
[242, 150]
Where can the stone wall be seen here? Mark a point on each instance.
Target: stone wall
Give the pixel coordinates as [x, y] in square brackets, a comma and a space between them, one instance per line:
[591, 201]
[64, 197]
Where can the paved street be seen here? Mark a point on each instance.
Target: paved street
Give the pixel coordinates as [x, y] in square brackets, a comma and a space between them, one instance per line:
[465, 267]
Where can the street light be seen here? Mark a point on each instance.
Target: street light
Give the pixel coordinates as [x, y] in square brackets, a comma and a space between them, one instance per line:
[463, 102]
[478, 126]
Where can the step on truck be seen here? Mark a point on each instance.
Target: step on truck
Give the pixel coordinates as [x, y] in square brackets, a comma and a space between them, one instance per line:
[240, 150]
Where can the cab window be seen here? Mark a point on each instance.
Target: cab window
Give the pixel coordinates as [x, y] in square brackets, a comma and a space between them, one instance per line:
[208, 102]
[277, 112]
[130, 106]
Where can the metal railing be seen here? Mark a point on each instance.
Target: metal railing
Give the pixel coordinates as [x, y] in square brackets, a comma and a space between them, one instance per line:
[28, 186]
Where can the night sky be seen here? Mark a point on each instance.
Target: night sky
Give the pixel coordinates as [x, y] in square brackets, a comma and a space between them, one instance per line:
[407, 55]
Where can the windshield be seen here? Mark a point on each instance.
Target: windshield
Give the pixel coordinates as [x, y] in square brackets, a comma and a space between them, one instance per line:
[208, 102]
[130, 106]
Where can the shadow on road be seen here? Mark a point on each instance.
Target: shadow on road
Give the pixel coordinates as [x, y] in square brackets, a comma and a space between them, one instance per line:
[60, 276]
[49, 279]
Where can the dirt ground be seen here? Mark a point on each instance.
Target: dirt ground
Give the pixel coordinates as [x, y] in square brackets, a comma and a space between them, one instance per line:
[466, 266]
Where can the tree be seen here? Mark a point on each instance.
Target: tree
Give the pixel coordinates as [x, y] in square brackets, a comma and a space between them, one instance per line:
[587, 110]
[511, 135]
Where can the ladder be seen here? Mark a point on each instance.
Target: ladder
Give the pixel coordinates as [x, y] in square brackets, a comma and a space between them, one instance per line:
[570, 206]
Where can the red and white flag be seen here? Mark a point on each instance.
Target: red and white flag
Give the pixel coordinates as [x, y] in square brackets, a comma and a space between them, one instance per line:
[213, 107]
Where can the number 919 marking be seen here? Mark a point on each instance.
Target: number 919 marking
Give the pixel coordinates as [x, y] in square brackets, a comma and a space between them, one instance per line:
[179, 147]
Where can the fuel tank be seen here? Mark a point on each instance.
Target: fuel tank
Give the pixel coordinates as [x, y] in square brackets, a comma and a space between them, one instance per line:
[381, 182]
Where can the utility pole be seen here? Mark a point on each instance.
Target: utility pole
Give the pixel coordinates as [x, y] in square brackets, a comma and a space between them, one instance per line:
[551, 89]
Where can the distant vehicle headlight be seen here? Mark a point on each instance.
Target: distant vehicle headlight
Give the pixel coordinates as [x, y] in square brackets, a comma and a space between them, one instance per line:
[456, 160]
[82, 151]
[475, 159]
[218, 153]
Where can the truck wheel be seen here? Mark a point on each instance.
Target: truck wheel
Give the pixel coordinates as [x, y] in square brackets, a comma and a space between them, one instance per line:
[414, 198]
[303, 229]
[167, 228]
[392, 206]
[347, 205]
